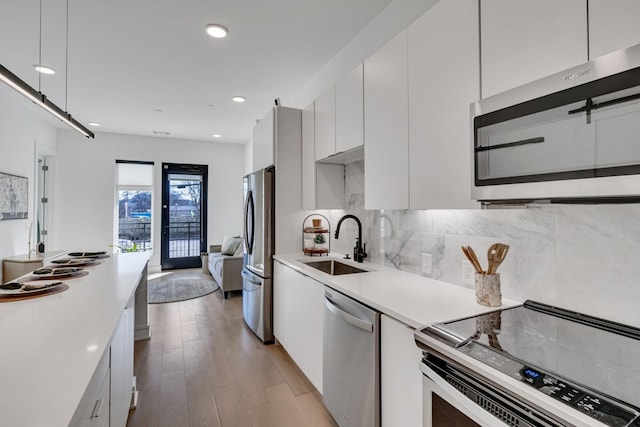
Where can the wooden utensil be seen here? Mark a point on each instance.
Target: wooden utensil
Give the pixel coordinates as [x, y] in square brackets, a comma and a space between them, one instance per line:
[473, 259]
[496, 254]
[490, 252]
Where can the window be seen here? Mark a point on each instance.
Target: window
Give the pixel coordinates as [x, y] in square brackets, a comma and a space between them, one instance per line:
[134, 201]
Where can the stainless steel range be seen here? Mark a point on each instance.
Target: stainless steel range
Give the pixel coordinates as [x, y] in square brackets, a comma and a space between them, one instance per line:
[531, 365]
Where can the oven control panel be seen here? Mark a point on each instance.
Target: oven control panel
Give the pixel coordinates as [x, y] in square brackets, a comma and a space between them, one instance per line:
[599, 408]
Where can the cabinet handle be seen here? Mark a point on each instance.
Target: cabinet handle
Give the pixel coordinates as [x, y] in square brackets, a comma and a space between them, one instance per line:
[96, 409]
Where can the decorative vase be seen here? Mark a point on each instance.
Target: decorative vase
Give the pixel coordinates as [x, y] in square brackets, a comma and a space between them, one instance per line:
[488, 290]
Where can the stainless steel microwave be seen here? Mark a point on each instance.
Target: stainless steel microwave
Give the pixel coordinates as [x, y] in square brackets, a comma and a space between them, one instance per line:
[572, 135]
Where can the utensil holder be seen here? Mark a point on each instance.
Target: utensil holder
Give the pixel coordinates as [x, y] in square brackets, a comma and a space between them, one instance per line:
[488, 290]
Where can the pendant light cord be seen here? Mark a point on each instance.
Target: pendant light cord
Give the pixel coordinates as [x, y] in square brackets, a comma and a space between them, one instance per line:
[40, 50]
[66, 62]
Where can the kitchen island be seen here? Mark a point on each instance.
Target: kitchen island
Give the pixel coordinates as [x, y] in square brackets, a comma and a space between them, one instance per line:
[51, 347]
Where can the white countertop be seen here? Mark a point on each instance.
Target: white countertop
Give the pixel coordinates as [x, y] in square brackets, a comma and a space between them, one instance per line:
[412, 299]
[50, 346]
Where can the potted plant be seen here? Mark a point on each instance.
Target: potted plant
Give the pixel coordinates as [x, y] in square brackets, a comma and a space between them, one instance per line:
[133, 247]
[319, 240]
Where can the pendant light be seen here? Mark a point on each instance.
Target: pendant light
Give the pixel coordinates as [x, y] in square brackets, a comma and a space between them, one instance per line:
[39, 98]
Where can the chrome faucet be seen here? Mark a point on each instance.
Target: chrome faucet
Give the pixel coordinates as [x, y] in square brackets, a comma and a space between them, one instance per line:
[360, 250]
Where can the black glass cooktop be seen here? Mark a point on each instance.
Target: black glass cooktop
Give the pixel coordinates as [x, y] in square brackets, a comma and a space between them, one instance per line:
[586, 362]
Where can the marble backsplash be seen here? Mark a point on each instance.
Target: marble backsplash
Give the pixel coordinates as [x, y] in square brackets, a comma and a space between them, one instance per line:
[582, 257]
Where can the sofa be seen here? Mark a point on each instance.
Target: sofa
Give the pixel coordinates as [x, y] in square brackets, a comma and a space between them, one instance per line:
[226, 270]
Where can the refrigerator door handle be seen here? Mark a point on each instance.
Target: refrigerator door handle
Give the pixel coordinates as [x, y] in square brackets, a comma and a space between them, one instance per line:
[249, 239]
[250, 277]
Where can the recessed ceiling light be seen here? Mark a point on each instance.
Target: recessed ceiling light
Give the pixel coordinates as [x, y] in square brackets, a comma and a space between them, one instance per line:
[238, 99]
[216, 135]
[217, 31]
[44, 69]
[96, 124]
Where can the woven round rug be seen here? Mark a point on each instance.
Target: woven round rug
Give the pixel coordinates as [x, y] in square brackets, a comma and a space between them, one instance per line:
[179, 290]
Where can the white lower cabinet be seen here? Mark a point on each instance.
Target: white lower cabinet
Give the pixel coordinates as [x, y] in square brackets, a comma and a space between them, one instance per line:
[312, 326]
[297, 319]
[107, 399]
[293, 316]
[279, 271]
[400, 377]
[101, 413]
[122, 368]
[93, 410]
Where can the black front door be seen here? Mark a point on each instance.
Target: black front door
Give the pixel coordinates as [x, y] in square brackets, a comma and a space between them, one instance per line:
[184, 215]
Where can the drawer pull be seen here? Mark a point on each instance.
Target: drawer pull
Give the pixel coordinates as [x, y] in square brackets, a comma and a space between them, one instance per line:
[97, 408]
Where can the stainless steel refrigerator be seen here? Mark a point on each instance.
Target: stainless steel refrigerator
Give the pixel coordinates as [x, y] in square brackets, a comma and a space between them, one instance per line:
[259, 244]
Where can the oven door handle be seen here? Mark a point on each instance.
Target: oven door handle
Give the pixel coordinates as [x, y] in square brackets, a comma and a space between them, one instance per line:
[448, 391]
[443, 384]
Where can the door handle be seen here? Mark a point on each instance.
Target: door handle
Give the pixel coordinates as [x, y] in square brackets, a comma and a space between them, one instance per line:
[358, 323]
[250, 278]
[248, 242]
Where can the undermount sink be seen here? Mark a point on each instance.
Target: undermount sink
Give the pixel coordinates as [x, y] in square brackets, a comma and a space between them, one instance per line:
[335, 268]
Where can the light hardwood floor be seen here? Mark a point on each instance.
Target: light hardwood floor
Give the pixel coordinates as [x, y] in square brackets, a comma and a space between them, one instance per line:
[204, 367]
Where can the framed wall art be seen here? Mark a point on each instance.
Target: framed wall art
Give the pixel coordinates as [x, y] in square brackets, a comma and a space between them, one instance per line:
[14, 196]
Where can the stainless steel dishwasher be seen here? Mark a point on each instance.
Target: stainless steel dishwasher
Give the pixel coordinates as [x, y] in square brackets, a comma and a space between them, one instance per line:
[351, 361]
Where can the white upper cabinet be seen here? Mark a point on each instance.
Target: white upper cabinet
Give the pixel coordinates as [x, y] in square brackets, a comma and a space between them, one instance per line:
[349, 111]
[263, 142]
[322, 184]
[613, 25]
[268, 139]
[308, 158]
[443, 81]
[325, 124]
[523, 40]
[257, 146]
[386, 147]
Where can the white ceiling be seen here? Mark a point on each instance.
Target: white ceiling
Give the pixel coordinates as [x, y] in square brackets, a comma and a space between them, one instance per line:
[129, 58]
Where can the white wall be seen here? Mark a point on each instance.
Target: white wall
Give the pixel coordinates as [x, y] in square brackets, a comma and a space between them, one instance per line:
[20, 129]
[581, 257]
[85, 184]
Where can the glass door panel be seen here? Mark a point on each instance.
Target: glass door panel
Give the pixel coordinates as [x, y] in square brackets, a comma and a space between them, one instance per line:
[183, 215]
